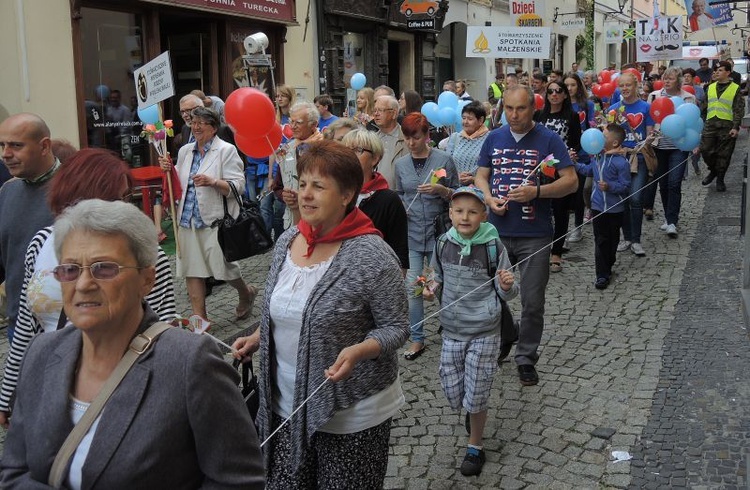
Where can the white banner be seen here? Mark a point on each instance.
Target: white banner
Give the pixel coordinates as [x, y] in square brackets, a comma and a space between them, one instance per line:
[574, 24]
[527, 13]
[153, 81]
[612, 33]
[507, 42]
[659, 39]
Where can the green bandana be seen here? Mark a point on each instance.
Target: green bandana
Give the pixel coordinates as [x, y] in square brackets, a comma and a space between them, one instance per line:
[485, 234]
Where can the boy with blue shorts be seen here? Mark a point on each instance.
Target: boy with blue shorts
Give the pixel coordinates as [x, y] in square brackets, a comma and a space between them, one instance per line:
[470, 260]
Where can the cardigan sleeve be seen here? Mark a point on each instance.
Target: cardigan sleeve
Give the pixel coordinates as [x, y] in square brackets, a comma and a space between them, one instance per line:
[389, 307]
[27, 327]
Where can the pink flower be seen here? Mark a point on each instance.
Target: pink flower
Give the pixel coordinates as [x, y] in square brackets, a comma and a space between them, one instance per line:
[168, 123]
[150, 128]
[160, 135]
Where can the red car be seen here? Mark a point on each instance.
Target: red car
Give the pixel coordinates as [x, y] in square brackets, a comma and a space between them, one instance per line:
[410, 7]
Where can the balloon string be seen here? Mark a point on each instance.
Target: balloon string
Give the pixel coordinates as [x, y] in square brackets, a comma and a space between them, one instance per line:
[294, 412]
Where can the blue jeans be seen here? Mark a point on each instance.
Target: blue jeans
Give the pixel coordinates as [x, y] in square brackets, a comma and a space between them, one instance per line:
[272, 211]
[534, 277]
[633, 218]
[416, 303]
[673, 162]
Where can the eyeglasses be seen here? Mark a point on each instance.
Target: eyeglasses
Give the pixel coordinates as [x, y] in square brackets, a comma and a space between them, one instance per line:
[376, 110]
[297, 122]
[196, 122]
[187, 112]
[359, 150]
[101, 271]
[551, 91]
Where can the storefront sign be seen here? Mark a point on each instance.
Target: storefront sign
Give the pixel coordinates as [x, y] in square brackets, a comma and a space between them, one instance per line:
[153, 81]
[574, 24]
[612, 33]
[527, 13]
[659, 38]
[416, 25]
[507, 42]
[278, 10]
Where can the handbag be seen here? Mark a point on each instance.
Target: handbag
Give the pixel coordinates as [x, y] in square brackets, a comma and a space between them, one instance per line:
[139, 345]
[249, 386]
[245, 235]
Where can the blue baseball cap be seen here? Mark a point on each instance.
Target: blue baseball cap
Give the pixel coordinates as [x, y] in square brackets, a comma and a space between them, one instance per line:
[469, 190]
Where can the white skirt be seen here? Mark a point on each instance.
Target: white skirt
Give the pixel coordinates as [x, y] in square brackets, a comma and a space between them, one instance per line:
[201, 256]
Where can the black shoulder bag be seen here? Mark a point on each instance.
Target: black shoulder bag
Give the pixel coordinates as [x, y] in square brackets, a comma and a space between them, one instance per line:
[245, 235]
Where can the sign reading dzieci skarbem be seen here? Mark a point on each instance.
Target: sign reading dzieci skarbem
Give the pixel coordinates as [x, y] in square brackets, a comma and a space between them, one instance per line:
[507, 42]
[153, 81]
[659, 38]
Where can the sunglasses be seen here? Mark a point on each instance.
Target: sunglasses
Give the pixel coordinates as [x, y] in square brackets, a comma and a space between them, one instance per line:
[101, 271]
[551, 91]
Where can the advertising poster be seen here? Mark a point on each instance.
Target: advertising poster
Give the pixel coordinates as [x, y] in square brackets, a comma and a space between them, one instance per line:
[659, 39]
[703, 16]
[507, 42]
[527, 13]
[612, 33]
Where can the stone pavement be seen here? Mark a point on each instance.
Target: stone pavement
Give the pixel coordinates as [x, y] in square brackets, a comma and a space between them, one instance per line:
[654, 366]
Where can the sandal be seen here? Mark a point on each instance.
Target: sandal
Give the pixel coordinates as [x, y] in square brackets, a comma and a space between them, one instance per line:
[243, 311]
[161, 237]
[411, 355]
[555, 266]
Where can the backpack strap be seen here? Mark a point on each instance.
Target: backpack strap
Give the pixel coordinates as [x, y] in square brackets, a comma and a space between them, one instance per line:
[441, 241]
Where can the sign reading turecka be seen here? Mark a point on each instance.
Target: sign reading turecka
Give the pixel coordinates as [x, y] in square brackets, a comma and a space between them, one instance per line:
[507, 42]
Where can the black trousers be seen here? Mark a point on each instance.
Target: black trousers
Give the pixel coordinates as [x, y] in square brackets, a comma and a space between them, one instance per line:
[606, 237]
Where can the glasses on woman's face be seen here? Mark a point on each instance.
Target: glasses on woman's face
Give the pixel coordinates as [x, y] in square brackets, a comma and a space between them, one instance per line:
[359, 150]
[198, 123]
[101, 271]
[557, 91]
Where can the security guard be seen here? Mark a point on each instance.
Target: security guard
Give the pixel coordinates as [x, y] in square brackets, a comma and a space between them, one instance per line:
[723, 114]
[495, 92]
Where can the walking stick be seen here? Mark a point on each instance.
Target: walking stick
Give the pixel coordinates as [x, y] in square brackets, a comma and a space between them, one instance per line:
[171, 210]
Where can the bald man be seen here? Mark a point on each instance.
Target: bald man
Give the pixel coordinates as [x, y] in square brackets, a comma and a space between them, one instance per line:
[27, 153]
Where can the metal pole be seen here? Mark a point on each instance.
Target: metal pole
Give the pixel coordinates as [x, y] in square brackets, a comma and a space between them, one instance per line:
[744, 196]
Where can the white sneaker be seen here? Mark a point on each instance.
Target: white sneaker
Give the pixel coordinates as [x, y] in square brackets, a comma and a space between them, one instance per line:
[637, 249]
[664, 226]
[575, 235]
[623, 245]
[672, 231]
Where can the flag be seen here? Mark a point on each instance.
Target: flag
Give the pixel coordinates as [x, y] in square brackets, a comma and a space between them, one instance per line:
[438, 174]
[628, 33]
[656, 15]
[547, 167]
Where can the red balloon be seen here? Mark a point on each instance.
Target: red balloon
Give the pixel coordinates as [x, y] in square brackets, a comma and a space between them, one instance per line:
[250, 112]
[635, 73]
[538, 102]
[607, 89]
[689, 88]
[658, 85]
[697, 80]
[259, 147]
[661, 108]
[596, 90]
[605, 76]
[286, 130]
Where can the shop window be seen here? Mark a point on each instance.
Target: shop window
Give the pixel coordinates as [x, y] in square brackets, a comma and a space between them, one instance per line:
[112, 48]
[354, 55]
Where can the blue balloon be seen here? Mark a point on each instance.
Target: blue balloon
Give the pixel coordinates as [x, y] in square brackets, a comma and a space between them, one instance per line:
[430, 111]
[673, 126]
[102, 92]
[149, 115]
[459, 122]
[592, 140]
[696, 125]
[677, 101]
[690, 112]
[358, 81]
[503, 119]
[447, 100]
[446, 116]
[690, 141]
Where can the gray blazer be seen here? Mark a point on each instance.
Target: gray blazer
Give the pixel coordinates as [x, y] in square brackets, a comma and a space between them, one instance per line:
[177, 420]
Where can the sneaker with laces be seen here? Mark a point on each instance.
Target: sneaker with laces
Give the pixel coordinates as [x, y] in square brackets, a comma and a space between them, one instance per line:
[623, 245]
[575, 235]
[672, 231]
[664, 226]
[637, 249]
[473, 462]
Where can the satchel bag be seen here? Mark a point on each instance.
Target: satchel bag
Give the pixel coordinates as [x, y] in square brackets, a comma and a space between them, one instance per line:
[245, 235]
[249, 386]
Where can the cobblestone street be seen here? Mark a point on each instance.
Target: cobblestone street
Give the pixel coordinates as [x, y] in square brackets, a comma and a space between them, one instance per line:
[656, 366]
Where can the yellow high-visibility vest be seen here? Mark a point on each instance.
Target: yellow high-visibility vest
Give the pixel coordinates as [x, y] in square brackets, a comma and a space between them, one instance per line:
[721, 107]
[496, 90]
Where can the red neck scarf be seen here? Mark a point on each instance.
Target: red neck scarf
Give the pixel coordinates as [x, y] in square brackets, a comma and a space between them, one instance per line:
[354, 224]
[377, 183]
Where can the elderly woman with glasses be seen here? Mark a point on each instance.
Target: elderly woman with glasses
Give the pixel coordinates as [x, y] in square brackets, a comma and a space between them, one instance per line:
[153, 430]
[376, 200]
[89, 174]
[206, 170]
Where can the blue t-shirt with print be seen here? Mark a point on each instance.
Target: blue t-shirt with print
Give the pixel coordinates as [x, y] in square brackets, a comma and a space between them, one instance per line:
[634, 118]
[510, 162]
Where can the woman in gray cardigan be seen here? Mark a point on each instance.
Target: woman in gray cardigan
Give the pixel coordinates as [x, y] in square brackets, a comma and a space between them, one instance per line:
[425, 180]
[334, 317]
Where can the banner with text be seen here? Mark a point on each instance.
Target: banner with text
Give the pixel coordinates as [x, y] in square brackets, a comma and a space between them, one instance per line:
[153, 81]
[527, 13]
[659, 39]
[612, 33]
[507, 42]
[701, 16]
